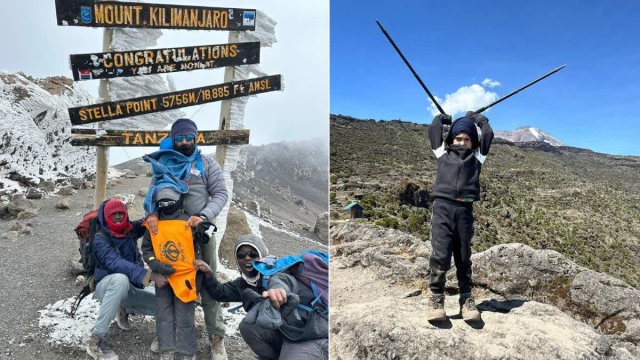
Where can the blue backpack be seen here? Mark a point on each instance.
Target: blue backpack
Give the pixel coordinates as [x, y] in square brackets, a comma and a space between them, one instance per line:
[311, 268]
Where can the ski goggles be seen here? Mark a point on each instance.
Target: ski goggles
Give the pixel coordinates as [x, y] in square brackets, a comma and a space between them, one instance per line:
[179, 138]
[164, 204]
[252, 254]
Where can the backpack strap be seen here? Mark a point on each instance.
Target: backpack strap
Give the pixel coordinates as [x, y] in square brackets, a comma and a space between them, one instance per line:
[108, 238]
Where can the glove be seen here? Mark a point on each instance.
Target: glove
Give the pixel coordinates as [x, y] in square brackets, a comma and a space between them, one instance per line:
[444, 119]
[479, 119]
[161, 268]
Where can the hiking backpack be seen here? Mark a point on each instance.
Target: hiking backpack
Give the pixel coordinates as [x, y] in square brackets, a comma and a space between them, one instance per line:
[86, 231]
[311, 268]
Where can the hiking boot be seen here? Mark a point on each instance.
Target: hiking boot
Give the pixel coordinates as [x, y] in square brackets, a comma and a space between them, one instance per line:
[122, 319]
[168, 355]
[154, 347]
[468, 308]
[179, 356]
[436, 312]
[218, 352]
[99, 349]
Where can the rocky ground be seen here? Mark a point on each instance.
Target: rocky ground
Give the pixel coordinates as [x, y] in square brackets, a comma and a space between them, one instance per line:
[535, 304]
[37, 250]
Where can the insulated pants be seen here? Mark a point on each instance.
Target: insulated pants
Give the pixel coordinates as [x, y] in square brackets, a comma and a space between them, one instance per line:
[270, 344]
[113, 291]
[175, 322]
[451, 233]
[212, 309]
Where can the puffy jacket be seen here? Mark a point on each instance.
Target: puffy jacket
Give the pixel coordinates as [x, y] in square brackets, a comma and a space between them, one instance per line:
[128, 261]
[459, 173]
[215, 187]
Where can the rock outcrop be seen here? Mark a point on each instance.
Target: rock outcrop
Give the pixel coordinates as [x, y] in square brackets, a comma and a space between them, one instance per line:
[535, 303]
[236, 227]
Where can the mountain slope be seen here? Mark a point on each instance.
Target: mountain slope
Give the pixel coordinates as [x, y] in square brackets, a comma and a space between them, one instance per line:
[527, 134]
[575, 201]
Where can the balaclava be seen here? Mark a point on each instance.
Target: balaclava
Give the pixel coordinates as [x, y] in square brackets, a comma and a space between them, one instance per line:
[113, 206]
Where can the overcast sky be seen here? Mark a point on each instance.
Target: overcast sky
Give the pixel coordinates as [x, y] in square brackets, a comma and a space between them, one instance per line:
[34, 44]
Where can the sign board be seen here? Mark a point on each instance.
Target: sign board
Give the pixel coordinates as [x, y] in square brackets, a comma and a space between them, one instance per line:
[155, 16]
[94, 137]
[114, 110]
[160, 61]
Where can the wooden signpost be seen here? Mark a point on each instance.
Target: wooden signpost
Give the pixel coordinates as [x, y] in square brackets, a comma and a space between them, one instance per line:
[159, 61]
[149, 104]
[115, 64]
[154, 16]
[98, 137]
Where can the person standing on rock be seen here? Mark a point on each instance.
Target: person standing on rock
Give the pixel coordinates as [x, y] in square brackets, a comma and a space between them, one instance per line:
[460, 157]
[120, 276]
[180, 165]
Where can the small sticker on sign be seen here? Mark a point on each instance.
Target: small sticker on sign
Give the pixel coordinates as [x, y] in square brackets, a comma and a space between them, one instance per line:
[85, 74]
[85, 14]
[249, 18]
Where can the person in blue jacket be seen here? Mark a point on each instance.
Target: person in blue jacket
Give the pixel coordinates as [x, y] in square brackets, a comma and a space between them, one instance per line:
[120, 276]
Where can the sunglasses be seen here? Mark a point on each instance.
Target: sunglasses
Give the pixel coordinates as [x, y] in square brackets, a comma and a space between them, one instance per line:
[252, 254]
[179, 138]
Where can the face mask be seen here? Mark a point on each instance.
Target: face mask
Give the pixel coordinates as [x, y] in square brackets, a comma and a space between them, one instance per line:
[461, 150]
[185, 149]
[168, 207]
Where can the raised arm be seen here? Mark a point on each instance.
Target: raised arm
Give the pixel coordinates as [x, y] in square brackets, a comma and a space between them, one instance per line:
[435, 133]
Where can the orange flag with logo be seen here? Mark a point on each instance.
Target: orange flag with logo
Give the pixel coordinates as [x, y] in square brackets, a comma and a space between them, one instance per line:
[173, 245]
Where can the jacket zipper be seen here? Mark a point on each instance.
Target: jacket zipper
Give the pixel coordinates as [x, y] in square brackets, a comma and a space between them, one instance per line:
[458, 187]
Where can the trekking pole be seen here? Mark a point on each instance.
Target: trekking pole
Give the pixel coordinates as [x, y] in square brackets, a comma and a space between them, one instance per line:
[411, 68]
[517, 91]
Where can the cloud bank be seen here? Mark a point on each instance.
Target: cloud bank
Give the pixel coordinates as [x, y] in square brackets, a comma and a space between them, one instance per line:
[467, 98]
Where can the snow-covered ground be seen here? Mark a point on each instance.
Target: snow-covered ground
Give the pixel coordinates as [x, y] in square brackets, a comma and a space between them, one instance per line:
[252, 220]
[65, 330]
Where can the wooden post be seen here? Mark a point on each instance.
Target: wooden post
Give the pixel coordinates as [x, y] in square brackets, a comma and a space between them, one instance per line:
[102, 152]
[225, 106]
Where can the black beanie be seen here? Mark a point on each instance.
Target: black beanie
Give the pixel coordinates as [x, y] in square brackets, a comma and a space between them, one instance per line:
[184, 127]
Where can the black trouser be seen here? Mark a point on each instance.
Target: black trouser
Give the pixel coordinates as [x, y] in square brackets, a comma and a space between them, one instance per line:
[451, 232]
[175, 321]
[270, 344]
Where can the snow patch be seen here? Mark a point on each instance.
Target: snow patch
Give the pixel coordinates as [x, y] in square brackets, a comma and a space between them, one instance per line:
[535, 133]
[254, 219]
[65, 330]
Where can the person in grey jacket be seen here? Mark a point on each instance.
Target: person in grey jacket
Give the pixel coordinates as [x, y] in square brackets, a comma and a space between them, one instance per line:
[205, 196]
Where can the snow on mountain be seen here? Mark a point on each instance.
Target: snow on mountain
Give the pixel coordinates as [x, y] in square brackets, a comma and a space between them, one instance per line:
[527, 134]
[35, 128]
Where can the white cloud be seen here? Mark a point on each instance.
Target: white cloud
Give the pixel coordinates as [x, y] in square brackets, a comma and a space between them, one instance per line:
[490, 83]
[464, 99]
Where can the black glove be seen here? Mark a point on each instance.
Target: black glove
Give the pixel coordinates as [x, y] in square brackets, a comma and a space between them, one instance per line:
[444, 119]
[161, 268]
[479, 119]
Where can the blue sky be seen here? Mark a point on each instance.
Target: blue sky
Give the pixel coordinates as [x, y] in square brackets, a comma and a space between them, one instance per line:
[593, 103]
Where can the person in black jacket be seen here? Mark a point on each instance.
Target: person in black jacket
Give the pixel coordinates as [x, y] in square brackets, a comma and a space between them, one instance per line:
[460, 157]
[174, 304]
[302, 334]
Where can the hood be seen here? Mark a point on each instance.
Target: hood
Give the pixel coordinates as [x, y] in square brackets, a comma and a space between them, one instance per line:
[103, 222]
[255, 242]
[475, 143]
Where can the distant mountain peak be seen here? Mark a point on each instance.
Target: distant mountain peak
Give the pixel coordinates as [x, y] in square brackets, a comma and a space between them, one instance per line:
[528, 134]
